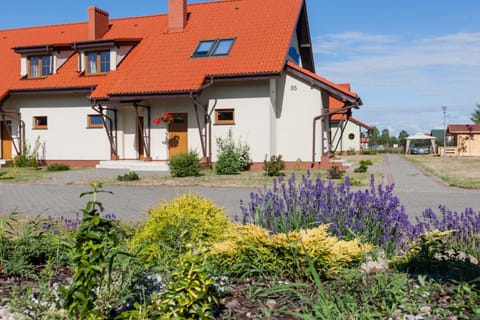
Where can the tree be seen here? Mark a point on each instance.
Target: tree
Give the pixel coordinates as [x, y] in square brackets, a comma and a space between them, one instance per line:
[402, 135]
[476, 115]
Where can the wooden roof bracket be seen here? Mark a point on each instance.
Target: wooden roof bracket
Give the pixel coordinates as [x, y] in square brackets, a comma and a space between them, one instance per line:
[13, 115]
[345, 109]
[110, 129]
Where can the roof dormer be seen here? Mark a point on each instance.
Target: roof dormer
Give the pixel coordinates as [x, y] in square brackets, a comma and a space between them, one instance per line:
[102, 56]
[42, 60]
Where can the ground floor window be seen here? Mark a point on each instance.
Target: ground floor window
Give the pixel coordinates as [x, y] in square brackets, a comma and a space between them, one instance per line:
[40, 122]
[224, 116]
[95, 121]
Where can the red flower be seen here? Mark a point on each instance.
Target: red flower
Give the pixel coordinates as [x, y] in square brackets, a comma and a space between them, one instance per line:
[167, 118]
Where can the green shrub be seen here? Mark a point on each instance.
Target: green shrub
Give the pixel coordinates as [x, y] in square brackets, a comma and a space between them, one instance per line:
[5, 176]
[172, 226]
[274, 166]
[232, 157]
[185, 164]
[58, 167]
[25, 246]
[131, 176]
[351, 152]
[228, 162]
[362, 168]
[95, 245]
[29, 156]
[336, 172]
[367, 162]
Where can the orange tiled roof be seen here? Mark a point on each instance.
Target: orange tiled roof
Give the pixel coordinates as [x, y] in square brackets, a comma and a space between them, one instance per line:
[335, 104]
[161, 62]
[464, 128]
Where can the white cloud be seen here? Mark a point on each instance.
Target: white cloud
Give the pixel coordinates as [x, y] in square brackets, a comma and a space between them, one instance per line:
[405, 81]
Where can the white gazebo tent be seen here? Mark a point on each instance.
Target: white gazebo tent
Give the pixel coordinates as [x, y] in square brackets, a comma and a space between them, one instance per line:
[420, 136]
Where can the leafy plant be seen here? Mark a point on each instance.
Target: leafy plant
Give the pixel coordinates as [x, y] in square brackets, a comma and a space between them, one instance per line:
[466, 227]
[190, 293]
[185, 164]
[29, 155]
[274, 166]
[362, 168]
[232, 157]
[131, 176]
[335, 172]
[95, 244]
[58, 167]
[26, 245]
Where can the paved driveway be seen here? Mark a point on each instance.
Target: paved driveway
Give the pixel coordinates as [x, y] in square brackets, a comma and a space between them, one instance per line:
[416, 189]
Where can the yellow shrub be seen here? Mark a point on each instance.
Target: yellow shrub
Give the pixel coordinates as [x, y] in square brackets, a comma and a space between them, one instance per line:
[286, 254]
[184, 221]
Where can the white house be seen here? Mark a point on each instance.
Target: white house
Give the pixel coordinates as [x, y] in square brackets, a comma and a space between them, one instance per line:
[89, 93]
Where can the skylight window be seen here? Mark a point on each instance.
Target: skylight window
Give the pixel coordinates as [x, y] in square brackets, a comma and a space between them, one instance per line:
[209, 48]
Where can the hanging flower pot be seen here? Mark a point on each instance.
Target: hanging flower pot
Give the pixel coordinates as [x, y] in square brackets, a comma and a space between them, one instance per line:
[166, 118]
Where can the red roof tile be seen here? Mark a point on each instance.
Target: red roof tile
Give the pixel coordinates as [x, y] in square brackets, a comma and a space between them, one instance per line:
[463, 128]
[161, 62]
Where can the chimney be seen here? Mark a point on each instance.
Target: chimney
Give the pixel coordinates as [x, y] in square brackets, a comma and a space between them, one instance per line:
[177, 15]
[98, 23]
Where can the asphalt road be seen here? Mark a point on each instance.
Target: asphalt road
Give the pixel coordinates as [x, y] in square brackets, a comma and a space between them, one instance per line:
[416, 189]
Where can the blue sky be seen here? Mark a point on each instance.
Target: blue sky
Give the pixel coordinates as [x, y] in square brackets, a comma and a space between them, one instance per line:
[406, 59]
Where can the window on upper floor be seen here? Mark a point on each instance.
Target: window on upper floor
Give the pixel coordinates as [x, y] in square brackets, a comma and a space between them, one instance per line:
[39, 66]
[211, 48]
[40, 122]
[95, 121]
[97, 62]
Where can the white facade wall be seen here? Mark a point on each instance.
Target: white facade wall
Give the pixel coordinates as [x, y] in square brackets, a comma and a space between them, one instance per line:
[253, 108]
[299, 104]
[67, 136]
[346, 144]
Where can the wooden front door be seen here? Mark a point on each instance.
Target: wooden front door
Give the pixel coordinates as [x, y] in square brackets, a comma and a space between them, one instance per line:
[178, 134]
[6, 139]
[140, 141]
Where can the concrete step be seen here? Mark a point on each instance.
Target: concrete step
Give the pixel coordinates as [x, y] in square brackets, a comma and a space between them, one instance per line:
[134, 165]
[2, 162]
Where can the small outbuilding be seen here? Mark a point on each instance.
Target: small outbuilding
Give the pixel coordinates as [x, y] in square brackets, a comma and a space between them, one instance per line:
[422, 137]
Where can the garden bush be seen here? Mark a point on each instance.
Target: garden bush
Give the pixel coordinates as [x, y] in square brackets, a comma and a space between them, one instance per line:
[233, 157]
[173, 226]
[274, 166]
[29, 155]
[465, 226]
[336, 172]
[375, 215]
[131, 176]
[185, 165]
[58, 167]
[251, 248]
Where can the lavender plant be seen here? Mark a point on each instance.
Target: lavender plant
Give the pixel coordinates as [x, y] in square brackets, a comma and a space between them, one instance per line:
[375, 215]
[466, 227]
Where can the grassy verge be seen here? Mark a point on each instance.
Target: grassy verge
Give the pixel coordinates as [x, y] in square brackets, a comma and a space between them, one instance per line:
[462, 172]
[207, 178]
